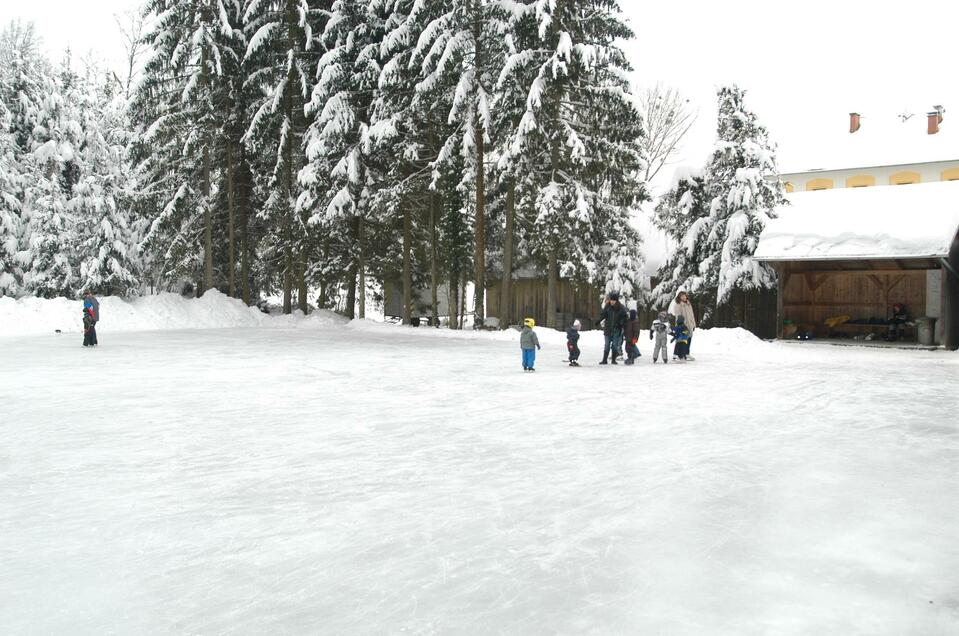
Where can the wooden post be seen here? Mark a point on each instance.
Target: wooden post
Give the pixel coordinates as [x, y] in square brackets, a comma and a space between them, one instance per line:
[950, 298]
[780, 298]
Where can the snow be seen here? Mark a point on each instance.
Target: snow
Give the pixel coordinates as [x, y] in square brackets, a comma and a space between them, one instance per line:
[908, 221]
[378, 479]
[29, 316]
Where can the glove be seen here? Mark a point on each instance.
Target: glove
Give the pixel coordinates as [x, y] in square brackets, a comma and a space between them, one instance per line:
[539, 348]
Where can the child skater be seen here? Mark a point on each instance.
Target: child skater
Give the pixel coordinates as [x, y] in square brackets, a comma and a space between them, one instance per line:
[529, 343]
[660, 330]
[681, 338]
[89, 328]
[572, 343]
[632, 337]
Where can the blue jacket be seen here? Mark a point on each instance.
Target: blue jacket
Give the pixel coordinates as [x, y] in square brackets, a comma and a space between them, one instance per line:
[572, 336]
[680, 333]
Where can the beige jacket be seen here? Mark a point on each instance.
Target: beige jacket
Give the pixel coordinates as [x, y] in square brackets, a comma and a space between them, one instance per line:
[685, 310]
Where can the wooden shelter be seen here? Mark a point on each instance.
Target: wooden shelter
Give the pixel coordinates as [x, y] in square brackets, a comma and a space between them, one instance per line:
[855, 252]
[528, 300]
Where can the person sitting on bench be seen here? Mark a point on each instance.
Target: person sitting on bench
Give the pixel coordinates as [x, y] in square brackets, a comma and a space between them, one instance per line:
[898, 319]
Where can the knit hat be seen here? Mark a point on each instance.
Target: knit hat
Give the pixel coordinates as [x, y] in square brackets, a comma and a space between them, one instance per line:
[577, 325]
[632, 314]
[614, 295]
[662, 316]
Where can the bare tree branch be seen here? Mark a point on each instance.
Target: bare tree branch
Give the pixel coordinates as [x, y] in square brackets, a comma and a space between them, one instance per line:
[667, 117]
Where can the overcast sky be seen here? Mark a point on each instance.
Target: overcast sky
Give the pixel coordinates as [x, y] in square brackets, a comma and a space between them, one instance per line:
[806, 65]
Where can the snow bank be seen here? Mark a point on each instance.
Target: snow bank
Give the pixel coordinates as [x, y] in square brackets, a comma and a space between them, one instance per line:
[29, 316]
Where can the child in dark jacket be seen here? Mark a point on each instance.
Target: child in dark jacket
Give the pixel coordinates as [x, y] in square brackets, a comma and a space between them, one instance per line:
[631, 337]
[572, 343]
[681, 338]
[89, 328]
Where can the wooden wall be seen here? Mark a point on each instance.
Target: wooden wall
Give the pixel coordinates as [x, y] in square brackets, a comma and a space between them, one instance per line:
[814, 296]
[529, 300]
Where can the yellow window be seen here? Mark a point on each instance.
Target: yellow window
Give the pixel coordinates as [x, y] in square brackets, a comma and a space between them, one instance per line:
[904, 177]
[789, 187]
[861, 181]
[952, 174]
[819, 184]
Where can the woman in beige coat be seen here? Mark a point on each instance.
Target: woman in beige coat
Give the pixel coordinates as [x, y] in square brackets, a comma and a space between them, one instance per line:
[682, 307]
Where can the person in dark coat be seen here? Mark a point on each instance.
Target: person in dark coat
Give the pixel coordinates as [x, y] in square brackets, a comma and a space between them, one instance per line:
[89, 328]
[631, 335]
[613, 320]
[90, 302]
[681, 336]
[898, 319]
[572, 343]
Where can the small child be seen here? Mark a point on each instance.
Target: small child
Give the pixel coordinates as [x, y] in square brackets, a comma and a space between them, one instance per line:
[632, 337]
[572, 343]
[89, 328]
[681, 338]
[529, 343]
[660, 329]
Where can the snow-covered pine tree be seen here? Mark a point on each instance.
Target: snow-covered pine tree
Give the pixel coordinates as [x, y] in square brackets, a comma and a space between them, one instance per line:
[461, 51]
[741, 198]
[11, 187]
[582, 127]
[676, 211]
[342, 174]
[107, 234]
[179, 103]
[282, 52]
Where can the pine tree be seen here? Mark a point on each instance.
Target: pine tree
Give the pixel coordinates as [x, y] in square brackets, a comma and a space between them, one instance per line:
[282, 53]
[741, 199]
[583, 128]
[683, 205]
[11, 187]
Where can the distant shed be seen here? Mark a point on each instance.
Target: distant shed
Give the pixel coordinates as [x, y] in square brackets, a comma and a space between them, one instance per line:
[855, 251]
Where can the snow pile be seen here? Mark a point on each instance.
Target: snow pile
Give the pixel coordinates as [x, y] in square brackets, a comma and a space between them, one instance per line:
[27, 316]
[909, 221]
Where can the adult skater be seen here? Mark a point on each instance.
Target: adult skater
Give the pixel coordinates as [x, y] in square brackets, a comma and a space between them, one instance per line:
[613, 320]
[682, 307]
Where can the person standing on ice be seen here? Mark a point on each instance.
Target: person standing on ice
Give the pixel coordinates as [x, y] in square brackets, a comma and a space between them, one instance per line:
[89, 328]
[681, 336]
[682, 307]
[91, 304]
[529, 343]
[632, 337]
[572, 343]
[613, 320]
[660, 330]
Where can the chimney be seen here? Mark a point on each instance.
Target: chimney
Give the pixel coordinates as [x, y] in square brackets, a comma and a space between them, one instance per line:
[935, 118]
[853, 122]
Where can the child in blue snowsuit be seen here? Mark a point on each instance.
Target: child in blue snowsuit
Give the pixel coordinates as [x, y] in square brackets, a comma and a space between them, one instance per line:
[681, 338]
[529, 343]
[572, 343]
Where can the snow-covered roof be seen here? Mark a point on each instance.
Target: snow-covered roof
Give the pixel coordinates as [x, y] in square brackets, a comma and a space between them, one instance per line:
[883, 140]
[905, 221]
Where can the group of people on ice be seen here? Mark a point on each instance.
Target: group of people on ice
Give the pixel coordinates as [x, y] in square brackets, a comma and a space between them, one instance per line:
[621, 330]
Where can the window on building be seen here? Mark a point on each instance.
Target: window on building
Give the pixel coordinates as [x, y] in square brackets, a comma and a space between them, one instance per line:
[905, 177]
[952, 174]
[861, 181]
[819, 184]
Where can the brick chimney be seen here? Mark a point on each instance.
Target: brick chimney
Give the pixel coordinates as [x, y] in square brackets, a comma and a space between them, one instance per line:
[853, 122]
[935, 118]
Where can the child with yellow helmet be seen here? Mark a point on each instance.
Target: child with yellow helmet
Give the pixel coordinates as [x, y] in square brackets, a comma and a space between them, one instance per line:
[529, 343]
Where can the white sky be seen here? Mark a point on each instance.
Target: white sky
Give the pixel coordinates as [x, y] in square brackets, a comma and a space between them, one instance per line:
[806, 65]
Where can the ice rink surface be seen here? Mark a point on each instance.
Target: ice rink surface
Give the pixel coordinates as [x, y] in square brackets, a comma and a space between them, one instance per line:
[377, 480]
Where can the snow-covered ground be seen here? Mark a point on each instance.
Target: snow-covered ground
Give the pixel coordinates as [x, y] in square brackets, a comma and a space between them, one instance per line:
[370, 479]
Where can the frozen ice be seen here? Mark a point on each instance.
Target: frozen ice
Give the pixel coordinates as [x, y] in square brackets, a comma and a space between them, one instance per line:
[372, 479]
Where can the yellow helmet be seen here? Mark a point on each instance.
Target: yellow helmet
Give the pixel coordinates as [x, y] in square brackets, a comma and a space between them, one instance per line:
[529, 322]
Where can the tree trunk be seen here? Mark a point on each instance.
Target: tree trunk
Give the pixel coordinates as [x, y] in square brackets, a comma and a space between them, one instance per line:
[464, 283]
[505, 303]
[479, 258]
[434, 259]
[302, 286]
[454, 294]
[231, 207]
[407, 267]
[207, 224]
[362, 268]
[551, 289]
[288, 269]
[350, 309]
[244, 209]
